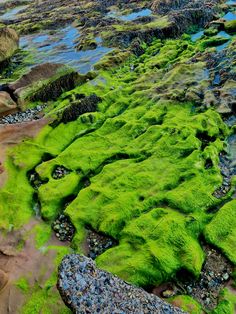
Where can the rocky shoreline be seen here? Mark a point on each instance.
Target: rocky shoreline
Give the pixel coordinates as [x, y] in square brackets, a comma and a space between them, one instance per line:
[136, 165]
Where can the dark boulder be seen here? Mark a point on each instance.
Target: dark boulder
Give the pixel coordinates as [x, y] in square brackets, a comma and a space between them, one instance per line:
[87, 289]
[80, 106]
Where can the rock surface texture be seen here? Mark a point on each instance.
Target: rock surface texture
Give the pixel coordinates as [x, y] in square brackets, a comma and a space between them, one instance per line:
[9, 43]
[87, 289]
[6, 102]
[43, 82]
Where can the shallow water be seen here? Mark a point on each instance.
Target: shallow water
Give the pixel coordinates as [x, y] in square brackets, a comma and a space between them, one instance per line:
[197, 35]
[130, 17]
[224, 34]
[59, 47]
[10, 14]
[230, 16]
[222, 47]
[231, 2]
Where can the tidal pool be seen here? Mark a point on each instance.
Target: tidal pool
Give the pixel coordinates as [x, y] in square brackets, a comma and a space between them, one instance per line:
[196, 36]
[131, 16]
[11, 14]
[59, 47]
[230, 16]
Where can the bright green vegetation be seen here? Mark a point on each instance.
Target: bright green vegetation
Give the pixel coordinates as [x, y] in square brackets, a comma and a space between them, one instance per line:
[22, 284]
[227, 303]
[187, 304]
[152, 160]
[221, 231]
[230, 26]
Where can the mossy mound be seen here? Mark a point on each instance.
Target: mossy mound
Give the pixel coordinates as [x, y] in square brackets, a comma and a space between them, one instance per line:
[187, 304]
[227, 303]
[222, 230]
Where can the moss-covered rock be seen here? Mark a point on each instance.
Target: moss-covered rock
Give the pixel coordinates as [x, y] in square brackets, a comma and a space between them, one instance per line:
[227, 303]
[230, 26]
[142, 168]
[187, 304]
[43, 82]
[221, 231]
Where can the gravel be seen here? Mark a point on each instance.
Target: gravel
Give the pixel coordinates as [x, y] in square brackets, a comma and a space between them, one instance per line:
[98, 243]
[226, 175]
[60, 172]
[214, 277]
[87, 289]
[64, 230]
[23, 116]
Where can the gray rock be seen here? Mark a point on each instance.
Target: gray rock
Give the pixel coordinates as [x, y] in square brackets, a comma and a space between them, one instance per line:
[87, 289]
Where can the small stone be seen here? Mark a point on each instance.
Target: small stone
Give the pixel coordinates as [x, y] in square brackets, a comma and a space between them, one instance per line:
[168, 293]
[225, 276]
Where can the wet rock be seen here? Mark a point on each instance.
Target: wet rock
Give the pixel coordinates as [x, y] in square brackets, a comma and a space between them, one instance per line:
[6, 102]
[87, 289]
[227, 173]
[43, 82]
[9, 43]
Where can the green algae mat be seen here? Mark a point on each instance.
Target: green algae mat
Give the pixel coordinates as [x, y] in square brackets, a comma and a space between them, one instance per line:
[151, 156]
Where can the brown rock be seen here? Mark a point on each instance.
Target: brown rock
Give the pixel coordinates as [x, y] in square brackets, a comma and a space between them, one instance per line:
[3, 280]
[43, 82]
[6, 103]
[9, 43]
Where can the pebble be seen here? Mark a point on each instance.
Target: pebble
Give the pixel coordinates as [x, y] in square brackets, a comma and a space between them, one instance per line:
[64, 230]
[226, 276]
[23, 116]
[98, 243]
[226, 172]
[60, 172]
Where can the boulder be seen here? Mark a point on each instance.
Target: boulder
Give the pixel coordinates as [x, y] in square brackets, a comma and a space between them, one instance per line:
[43, 82]
[86, 289]
[9, 43]
[6, 102]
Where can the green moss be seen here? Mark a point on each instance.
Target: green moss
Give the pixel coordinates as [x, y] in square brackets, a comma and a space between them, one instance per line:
[154, 246]
[42, 234]
[227, 303]
[230, 26]
[213, 42]
[221, 231]
[187, 304]
[22, 284]
[211, 31]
